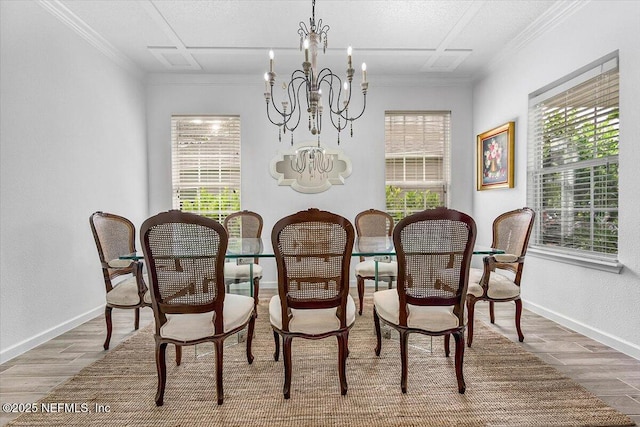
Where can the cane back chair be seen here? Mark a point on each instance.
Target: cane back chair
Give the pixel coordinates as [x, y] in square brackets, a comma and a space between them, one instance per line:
[499, 280]
[244, 224]
[434, 249]
[374, 223]
[115, 236]
[185, 260]
[313, 252]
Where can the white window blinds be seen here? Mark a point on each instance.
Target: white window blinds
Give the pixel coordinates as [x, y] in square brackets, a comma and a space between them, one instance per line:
[416, 160]
[572, 171]
[205, 160]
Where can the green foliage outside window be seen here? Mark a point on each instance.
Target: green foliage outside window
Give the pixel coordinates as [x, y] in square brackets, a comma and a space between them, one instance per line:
[212, 205]
[580, 204]
[404, 202]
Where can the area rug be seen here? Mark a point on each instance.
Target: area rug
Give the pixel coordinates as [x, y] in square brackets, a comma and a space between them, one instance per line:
[506, 386]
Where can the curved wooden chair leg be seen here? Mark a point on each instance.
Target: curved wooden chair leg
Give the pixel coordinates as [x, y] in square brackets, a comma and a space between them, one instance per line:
[219, 345]
[342, 362]
[346, 345]
[136, 321]
[107, 318]
[518, 316]
[178, 354]
[252, 323]
[471, 302]
[376, 322]
[161, 366]
[360, 281]
[276, 339]
[256, 291]
[286, 352]
[492, 315]
[404, 341]
[459, 338]
[447, 338]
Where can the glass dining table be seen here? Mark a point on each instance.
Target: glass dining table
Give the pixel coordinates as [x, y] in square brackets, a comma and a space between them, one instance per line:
[380, 249]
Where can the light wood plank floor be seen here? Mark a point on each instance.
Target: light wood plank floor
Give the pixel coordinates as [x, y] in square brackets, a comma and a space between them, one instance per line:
[609, 374]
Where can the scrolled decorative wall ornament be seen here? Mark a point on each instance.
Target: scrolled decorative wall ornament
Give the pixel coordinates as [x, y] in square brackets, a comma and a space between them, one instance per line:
[309, 168]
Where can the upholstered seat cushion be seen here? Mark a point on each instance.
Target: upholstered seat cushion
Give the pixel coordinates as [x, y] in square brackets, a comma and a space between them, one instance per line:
[368, 268]
[311, 321]
[500, 286]
[119, 263]
[193, 326]
[126, 293]
[241, 271]
[505, 257]
[429, 318]
[147, 297]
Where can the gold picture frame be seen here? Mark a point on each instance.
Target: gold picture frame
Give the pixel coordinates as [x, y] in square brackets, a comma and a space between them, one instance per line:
[495, 153]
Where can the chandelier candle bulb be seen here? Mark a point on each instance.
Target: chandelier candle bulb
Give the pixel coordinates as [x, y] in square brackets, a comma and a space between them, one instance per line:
[349, 52]
[271, 55]
[364, 72]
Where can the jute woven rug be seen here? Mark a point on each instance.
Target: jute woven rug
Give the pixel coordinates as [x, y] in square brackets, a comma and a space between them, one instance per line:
[506, 386]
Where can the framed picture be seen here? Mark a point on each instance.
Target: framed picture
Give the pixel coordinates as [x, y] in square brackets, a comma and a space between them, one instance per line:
[495, 154]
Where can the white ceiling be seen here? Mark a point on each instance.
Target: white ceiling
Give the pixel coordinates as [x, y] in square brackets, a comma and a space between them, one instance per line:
[439, 39]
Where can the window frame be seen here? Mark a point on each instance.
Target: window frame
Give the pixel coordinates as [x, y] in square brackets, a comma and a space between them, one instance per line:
[205, 161]
[428, 168]
[569, 120]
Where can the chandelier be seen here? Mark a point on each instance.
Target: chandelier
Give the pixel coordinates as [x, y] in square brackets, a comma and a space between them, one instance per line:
[313, 160]
[310, 88]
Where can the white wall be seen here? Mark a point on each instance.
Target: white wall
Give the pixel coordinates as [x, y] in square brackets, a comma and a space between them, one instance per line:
[73, 141]
[189, 94]
[598, 304]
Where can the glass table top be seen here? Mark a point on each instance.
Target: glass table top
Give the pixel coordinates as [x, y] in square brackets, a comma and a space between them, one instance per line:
[363, 246]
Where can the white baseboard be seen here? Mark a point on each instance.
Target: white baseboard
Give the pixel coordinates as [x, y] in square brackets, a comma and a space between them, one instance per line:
[26, 345]
[614, 342]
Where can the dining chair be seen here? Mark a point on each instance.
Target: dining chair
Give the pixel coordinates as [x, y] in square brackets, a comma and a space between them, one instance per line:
[185, 260]
[499, 280]
[312, 251]
[244, 224]
[115, 236]
[433, 249]
[374, 223]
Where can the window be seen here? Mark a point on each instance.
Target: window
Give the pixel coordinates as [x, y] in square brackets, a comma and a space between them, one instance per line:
[416, 160]
[572, 171]
[205, 159]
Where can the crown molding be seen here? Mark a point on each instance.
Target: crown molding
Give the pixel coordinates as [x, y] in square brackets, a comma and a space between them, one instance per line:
[554, 16]
[81, 28]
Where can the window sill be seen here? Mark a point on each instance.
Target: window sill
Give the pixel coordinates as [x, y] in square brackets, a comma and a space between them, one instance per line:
[581, 261]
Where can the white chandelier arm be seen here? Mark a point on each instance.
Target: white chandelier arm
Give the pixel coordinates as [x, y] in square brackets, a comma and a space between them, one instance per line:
[293, 97]
[328, 79]
[290, 92]
[341, 111]
[364, 106]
